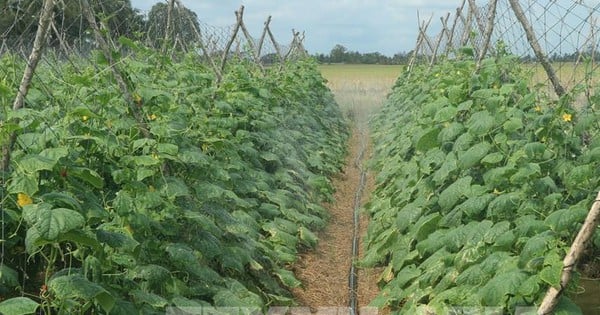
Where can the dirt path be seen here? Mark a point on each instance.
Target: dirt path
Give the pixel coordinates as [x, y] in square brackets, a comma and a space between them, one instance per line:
[324, 272]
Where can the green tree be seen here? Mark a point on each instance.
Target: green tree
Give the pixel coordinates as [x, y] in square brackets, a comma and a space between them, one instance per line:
[338, 54]
[19, 20]
[120, 17]
[184, 25]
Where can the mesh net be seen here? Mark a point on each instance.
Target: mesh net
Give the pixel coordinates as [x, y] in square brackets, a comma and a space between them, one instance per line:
[566, 32]
[95, 41]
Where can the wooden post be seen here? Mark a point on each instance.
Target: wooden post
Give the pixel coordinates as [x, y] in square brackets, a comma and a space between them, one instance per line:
[106, 50]
[292, 45]
[61, 40]
[570, 261]
[471, 34]
[237, 50]
[230, 42]
[592, 63]
[537, 49]
[429, 44]
[202, 45]
[475, 10]
[593, 40]
[262, 37]
[34, 58]
[301, 44]
[296, 46]
[467, 30]
[488, 33]
[439, 40]
[413, 58]
[169, 28]
[420, 39]
[275, 44]
[453, 29]
[249, 39]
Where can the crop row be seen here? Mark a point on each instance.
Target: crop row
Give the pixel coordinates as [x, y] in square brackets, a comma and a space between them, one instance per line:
[208, 210]
[482, 183]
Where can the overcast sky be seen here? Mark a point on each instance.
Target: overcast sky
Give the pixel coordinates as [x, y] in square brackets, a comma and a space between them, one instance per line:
[386, 26]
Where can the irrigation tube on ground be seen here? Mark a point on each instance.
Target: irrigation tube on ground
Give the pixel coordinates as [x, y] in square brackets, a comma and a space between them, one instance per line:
[353, 275]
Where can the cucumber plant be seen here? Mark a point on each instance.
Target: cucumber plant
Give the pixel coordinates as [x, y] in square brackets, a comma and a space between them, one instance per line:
[482, 183]
[210, 210]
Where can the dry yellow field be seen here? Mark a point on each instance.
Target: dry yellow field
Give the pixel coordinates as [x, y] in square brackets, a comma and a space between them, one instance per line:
[570, 75]
[359, 89]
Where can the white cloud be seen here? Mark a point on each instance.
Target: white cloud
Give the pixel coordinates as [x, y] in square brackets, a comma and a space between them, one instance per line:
[386, 26]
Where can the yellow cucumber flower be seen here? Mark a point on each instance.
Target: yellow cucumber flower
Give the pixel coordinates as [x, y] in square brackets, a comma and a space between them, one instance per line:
[23, 199]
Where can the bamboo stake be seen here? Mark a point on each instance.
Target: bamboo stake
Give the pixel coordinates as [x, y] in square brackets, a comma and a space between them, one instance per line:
[169, 28]
[60, 38]
[201, 43]
[471, 34]
[425, 38]
[34, 58]
[116, 73]
[249, 40]
[429, 43]
[262, 37]
[295, 45]
[467, 30]
[458, 16]
[289, 52]
[475, 11]
[275, 44]
[439, 40]
[570, 261]
[231, 40]
[537, 49]
[488, 33]
[303, 50]
[421, 37]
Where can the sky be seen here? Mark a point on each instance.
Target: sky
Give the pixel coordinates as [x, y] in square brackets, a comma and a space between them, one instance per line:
[385, 26]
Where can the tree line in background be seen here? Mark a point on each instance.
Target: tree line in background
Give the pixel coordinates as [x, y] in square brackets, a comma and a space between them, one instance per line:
[19, 20]
[341, 54]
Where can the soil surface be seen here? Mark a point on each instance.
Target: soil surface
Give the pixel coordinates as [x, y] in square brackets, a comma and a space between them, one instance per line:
[324, 272]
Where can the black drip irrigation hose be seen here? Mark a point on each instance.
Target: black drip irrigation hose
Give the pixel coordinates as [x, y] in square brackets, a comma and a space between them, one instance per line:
[353, 275]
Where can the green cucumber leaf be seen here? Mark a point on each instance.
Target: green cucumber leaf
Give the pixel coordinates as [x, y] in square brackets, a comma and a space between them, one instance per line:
[18, 306]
